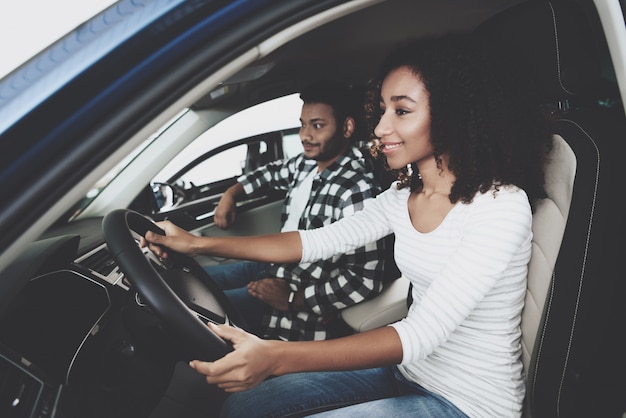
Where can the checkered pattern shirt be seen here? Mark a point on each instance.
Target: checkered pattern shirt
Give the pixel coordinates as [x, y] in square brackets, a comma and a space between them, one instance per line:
[332, 284]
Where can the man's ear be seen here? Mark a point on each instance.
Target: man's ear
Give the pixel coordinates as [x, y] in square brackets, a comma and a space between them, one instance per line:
[348, 127]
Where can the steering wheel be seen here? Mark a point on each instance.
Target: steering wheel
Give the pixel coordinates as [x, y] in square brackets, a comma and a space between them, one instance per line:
[178, 290]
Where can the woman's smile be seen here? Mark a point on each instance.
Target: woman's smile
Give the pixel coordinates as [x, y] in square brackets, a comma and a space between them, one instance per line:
[389, 148]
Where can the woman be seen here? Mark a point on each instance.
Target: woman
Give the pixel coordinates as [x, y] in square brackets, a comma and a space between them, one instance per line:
[469, 157]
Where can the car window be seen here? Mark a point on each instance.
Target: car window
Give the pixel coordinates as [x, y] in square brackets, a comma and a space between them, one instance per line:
[227, 164]
[235, 161]
[291, 144]
[278, 115]
[95, 190]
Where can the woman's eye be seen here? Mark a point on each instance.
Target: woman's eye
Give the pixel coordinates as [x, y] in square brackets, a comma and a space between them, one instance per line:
[401, 112]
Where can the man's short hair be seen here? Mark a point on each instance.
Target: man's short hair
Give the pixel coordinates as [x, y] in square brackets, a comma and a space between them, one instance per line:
[346, 101]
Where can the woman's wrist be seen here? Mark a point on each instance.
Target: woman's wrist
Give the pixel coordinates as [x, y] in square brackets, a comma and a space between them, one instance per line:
[278, 352]
[200, 245]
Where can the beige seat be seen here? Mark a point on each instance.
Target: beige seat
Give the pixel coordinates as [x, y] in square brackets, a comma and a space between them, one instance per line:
[573, 323]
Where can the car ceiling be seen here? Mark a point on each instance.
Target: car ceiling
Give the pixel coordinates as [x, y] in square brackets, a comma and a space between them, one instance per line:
[359, 41]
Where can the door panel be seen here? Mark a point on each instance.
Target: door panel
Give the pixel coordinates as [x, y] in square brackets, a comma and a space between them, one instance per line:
[263, 219]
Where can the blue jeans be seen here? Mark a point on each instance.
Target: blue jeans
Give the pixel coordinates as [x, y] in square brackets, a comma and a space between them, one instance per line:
[379, 392]
[232, 279]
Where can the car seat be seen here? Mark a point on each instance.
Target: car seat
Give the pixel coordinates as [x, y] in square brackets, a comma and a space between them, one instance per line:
[573, 323]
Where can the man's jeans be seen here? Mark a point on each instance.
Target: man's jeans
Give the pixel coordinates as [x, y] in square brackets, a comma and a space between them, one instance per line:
[379, 392]
[232, 279]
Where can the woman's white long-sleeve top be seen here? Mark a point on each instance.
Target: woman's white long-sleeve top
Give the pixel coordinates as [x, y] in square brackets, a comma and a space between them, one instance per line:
[461, 337]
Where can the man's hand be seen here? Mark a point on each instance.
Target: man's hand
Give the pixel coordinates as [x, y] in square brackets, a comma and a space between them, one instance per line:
[273, 291]
[225, 212]
[175, 238]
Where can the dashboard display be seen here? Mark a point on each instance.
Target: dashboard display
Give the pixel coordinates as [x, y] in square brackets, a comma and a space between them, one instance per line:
[52, 318]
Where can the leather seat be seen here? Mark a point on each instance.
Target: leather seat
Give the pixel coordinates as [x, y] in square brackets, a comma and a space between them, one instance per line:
[573, 324]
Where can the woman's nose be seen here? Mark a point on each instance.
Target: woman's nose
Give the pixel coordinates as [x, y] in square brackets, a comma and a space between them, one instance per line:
[382, 127]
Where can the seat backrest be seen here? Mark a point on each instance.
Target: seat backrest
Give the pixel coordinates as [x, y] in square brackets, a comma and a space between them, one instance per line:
[549, 221]
[574, 288]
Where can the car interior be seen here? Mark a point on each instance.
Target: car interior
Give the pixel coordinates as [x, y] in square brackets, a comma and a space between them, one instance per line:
[95, 326]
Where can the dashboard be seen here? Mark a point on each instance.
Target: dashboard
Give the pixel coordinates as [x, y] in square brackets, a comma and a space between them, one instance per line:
[73, 334]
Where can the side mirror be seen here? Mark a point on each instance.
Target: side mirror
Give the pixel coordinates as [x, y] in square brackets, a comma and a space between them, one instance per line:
[166, 195]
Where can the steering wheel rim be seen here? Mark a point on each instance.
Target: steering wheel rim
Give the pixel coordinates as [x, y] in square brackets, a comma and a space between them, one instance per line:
[199, 341]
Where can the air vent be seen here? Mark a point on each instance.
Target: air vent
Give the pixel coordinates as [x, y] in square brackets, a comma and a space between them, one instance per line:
[20, 392]
[100, 262]
[23, 393]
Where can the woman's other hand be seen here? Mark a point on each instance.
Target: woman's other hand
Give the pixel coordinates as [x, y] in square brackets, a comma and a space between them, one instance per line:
[250, 362]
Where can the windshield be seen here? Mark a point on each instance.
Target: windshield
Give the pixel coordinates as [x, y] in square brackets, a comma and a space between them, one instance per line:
[108, 177]
[103, 182]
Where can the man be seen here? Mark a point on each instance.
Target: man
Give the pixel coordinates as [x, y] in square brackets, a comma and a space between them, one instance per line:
[326, 182]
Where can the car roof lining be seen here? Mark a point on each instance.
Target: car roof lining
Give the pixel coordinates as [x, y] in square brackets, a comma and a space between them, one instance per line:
[303, 53]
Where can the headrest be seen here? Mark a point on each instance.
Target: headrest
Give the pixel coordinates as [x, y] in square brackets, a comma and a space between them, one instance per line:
[553, 42]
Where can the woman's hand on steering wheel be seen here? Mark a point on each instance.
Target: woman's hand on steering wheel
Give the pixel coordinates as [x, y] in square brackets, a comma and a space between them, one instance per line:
[175, 238]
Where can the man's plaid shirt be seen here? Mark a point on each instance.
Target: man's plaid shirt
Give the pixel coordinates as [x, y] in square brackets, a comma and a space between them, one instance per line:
[329, 285]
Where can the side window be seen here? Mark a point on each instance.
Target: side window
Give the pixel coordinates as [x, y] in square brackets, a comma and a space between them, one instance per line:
[232, 161]
[222, 166]
[292, 145]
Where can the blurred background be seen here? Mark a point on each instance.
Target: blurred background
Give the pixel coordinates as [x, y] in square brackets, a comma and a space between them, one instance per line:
[27, 27]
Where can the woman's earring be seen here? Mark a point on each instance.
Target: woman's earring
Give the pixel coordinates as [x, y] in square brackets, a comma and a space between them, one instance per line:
[410, 171]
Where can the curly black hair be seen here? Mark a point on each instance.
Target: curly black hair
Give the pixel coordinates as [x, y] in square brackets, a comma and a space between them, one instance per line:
[482, 116]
